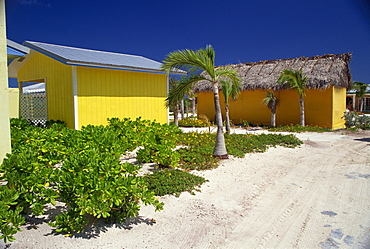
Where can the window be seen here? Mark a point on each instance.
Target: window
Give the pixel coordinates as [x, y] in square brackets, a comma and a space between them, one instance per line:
[366, 104]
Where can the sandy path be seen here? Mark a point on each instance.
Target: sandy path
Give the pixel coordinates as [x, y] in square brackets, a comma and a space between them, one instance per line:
[315, 196]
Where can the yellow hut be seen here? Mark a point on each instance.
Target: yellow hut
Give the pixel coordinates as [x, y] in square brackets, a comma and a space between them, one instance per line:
[88, 86]
[325, 102]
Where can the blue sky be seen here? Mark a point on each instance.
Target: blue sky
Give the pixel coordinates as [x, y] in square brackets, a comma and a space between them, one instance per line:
[239, 30]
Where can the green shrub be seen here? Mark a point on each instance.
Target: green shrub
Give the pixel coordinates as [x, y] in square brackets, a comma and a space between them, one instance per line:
[356, 120]
[80, 168]
[19, 123]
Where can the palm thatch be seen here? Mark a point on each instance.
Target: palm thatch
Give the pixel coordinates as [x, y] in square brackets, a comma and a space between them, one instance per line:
[322, 71]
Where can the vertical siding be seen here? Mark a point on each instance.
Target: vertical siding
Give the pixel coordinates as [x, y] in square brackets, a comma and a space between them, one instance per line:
[107, 93]
[58, 85]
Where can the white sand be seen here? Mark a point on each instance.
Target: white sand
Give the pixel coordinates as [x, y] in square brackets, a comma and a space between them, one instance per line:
[315, 196]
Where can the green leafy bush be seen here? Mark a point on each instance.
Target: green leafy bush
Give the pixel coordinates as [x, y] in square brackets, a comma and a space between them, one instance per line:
[10, 217]
[356, 120]
[80, 168]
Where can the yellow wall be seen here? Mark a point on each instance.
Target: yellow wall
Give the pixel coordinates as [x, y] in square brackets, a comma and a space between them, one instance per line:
[14, 102]
[322, 107]
[318, 108]
[243, 109]
[58, 81]
[339, 107]
[107, 93]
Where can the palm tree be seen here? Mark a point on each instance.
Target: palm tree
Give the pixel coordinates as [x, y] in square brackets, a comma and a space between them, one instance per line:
[360, 89]
[271, 101]
[229, 90]
[173, 104]
[196, 62]
[296, 80]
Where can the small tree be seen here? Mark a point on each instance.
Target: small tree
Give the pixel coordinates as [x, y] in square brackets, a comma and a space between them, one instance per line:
[360, 89]
[173, 104]
[271, 101]
[229, 90]
[296, 80]
[196, 62]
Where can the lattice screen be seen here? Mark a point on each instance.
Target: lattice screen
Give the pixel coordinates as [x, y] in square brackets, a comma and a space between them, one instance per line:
[33, 107]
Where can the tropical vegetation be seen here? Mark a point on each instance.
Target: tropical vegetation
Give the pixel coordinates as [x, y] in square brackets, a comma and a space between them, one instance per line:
[360, 90]
[357, 120]
[297, 80]
[271, 101]
[82, 170]
[200, 65]
[229, 90]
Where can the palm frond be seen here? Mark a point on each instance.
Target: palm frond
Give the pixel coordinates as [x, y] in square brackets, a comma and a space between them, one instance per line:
[295, 78]
[226, 72]
[360, 88]
[182, 87]
[190, 60]
[270, 100]
[226, 88]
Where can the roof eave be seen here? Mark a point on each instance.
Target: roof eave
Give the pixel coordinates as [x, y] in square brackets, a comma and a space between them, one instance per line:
[110, 66]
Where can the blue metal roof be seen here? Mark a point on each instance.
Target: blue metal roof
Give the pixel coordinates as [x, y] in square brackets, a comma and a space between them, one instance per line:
[14, 48]
[12, 51]
[86, 57]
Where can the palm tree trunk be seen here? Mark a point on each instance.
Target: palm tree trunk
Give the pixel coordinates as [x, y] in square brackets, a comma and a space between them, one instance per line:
[176, 115]
[193, 103]
[273, 115]
[301, 107]
[182, 109]
[220, 147]
[227, 119]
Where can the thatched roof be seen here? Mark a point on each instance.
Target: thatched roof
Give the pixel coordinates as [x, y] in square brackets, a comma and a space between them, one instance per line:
[322, 71]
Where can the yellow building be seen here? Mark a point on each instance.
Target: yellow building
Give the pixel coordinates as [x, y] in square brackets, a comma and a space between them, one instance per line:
[87, 86]
[15, 55]
[325, 102]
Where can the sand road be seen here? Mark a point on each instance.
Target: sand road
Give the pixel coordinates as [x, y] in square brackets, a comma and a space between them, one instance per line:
[314, 196]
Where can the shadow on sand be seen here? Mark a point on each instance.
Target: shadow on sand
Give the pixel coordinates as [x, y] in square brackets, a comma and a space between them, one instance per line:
[93, 231]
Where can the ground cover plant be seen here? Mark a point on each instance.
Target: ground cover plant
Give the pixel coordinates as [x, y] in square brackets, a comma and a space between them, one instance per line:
[193, 122]
[82, 169]
[298, 129]
[198, 153]
[173, 181]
